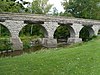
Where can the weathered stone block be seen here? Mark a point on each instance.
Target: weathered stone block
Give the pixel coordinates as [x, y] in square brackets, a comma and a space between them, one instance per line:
[16, 43]
[74, 40]
[49, 42]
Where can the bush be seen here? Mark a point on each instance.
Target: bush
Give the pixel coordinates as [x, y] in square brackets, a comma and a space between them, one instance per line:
[26, 41]
[5, 44]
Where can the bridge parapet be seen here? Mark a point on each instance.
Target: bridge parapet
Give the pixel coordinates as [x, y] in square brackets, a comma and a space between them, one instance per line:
[45, 18]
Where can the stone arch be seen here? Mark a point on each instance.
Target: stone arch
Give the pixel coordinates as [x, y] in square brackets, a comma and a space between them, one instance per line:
[42, 27]
[5, 34]
[7, 28]
[91, 31]
[71, 32]
[86, 33]
[50, 28]
[33, 39]
[14, 27]
[44, 31]
[96, 29]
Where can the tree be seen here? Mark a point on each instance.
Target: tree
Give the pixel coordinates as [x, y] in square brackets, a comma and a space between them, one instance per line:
[83, 8]
[55, 11]
[12, 6]
[41, 6]
[38, 7]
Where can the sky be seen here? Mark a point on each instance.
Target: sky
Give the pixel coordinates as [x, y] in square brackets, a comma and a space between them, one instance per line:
[56, 3]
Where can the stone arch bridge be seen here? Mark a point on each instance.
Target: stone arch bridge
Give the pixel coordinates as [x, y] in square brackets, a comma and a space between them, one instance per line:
[14, 22]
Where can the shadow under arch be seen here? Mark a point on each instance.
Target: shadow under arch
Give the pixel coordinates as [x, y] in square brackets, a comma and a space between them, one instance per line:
[99, 32]
[63, 32]
[33, 29]
[86, 33]
[5, 42]
[4, 31]
[32, 32]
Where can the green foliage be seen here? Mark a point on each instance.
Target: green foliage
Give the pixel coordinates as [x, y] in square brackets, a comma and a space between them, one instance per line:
[30, 33]
[85, 34]
[27, 40]
[80, 60]
[40, 7]
[62, 32]
[31, 30]
[4, 31]
[5, 44]
[55, 11]
[83, 8]
[4, 38]
[65, 14]
[10, 6]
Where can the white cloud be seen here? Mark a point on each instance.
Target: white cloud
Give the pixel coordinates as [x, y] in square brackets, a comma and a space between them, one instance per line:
[57, 4]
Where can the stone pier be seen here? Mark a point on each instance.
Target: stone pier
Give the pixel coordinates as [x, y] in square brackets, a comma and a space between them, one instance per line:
[76, 30]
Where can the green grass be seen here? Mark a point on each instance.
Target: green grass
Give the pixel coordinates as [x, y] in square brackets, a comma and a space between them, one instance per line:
[83, 59]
